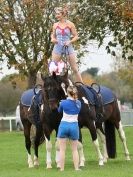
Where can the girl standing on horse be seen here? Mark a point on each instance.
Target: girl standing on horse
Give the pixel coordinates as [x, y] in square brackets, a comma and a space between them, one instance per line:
[68, 128]
[61, 37]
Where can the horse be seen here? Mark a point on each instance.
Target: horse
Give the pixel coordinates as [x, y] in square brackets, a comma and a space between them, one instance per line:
[29, 114]
[50, 117]
[54, 90]
[37, 110]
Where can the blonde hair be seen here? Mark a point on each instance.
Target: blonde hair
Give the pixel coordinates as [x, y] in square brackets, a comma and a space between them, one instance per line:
[72, 91]
[62, 9]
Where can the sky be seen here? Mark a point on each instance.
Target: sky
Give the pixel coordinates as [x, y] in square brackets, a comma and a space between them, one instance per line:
[5, 71]
[96, 57]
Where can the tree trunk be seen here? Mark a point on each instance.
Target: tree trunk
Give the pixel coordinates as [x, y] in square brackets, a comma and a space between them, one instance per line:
[32, 76]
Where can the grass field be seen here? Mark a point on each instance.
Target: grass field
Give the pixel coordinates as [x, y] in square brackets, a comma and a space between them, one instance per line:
[13, 159]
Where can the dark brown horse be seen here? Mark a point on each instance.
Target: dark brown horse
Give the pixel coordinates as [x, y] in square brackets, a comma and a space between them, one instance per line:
[40, 110]
[30, 116]
[46, 119]
[54, 89]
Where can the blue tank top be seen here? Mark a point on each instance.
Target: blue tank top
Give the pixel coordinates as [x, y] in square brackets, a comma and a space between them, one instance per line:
[63, 34]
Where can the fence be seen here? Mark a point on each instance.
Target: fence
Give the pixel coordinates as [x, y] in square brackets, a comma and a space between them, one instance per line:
[10, 124]
[127, 118]
[7, 123]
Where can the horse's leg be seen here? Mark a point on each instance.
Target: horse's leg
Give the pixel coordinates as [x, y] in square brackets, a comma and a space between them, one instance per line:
[119, 127]
[102, 137]
[37, 142]
[123, 139]
[80, 150]
[57, 155]
[47, 132]
[93, 133]
[57, 151]
[27, 126]
[48, 153]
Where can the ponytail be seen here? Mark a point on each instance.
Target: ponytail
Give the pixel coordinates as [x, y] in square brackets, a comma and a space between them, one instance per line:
[72, 91]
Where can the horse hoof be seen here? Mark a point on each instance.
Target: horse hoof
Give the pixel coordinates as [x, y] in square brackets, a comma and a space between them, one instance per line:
[31, 165]
[49, 166]
[82, 164]
[58, 165]
[36, 163]
[101, 163]
[128, 158]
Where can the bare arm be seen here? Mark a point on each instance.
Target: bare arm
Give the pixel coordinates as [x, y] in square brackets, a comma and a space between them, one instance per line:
[53, 36]
[74, 33]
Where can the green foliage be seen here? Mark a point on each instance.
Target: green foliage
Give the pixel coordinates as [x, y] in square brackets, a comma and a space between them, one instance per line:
[93, 71]
[25, 28]
[25, 34]
[18, 80]
[9, 98]
[102, 18]
[118, 85]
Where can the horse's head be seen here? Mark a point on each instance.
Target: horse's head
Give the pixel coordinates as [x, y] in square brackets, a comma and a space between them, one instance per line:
[54, 89]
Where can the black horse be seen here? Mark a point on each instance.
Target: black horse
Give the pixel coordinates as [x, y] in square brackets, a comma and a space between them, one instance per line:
[54, 89]
[40, 109]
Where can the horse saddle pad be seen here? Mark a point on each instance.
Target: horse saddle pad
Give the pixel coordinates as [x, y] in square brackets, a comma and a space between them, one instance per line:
[27, 97]
[107, 96]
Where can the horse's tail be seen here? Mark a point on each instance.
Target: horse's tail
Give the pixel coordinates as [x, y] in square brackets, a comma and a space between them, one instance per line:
[110, 139]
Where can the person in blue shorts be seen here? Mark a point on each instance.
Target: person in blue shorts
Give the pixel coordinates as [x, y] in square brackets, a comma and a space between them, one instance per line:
[64, 34]
[68, 128]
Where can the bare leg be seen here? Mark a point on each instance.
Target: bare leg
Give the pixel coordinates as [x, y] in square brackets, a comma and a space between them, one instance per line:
[74, 146]
[62, 145]
[81, 154]
[57, 157]
[73, 64]
[56, 57]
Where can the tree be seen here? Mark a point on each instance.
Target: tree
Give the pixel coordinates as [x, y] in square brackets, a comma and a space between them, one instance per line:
[9, 98]
[125, 71]
[25, 28]
[87, 78]
[93, 71]
[112, 80]
[16, 80]
[115, 18]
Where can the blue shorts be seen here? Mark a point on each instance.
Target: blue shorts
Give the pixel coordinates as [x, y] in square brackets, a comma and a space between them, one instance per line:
[60, 49]
[68, 130]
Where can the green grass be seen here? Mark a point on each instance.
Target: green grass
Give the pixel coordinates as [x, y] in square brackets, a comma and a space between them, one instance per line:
[13, 159]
